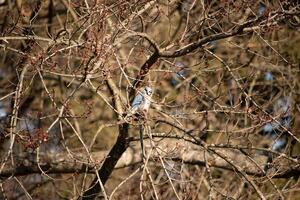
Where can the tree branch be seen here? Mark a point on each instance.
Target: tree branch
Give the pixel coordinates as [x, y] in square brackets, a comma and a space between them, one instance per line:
[63, 163]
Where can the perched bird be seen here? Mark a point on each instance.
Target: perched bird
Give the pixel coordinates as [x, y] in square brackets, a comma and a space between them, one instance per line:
[179, 75]
[274, 131]
[279, 140]
[142, 100]
[280, 143]
[140, 105]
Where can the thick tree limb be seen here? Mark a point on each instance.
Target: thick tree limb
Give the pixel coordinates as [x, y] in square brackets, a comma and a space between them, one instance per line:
[176, 150]
[109, 163]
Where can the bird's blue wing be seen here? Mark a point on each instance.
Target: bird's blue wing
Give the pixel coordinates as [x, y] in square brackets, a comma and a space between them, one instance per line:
[137, 101]
[279, 144]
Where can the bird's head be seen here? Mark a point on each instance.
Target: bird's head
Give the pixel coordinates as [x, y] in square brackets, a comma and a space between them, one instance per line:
[148, 91]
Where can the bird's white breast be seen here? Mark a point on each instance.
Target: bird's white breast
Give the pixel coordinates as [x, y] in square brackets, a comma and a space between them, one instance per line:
[146, 104]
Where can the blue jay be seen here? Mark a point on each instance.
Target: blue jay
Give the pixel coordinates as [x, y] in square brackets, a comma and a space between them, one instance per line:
[280, 140]
[179, 75]
[272, 130]
[275, 131]
[142, 100]
[141, 104]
